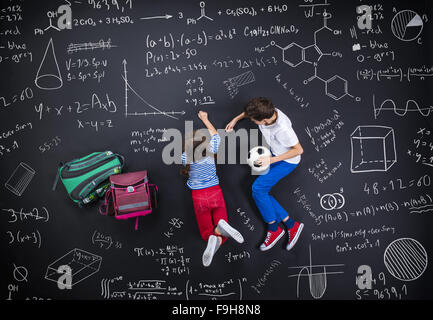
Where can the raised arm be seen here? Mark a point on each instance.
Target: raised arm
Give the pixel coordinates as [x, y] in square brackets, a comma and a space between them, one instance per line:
[204, 118]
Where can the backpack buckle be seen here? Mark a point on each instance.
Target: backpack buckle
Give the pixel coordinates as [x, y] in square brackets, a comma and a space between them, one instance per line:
[130, 189]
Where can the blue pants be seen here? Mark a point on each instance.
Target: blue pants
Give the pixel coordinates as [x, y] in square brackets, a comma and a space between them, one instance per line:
[270, 209]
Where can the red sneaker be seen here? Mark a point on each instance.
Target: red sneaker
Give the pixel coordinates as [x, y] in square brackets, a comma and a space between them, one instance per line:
[294, 234]
[271, 239]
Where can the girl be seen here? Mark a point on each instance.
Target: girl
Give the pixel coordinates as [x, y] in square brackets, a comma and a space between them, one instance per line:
[209, 206]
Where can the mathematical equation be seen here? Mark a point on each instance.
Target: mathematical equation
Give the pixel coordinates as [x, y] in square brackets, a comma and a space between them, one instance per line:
[422, 148]
[325, 133]
[105, 241]
[35, 214]
[171, 259]
[146, 140]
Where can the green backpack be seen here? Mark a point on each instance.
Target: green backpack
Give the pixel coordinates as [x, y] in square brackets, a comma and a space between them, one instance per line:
[86, 178]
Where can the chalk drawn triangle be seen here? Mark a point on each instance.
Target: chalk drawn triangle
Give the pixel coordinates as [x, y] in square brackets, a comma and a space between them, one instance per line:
[415, 22]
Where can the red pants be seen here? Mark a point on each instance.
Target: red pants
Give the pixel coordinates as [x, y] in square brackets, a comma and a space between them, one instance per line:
[209, 207]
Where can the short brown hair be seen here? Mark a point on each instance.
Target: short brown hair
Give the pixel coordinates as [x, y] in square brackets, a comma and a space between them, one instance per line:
[259, 109]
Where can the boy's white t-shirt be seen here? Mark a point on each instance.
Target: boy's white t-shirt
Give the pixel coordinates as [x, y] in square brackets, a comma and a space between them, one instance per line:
[280, 136]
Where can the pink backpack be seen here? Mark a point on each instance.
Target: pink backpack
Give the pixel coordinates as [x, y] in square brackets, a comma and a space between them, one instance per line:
[129, 196]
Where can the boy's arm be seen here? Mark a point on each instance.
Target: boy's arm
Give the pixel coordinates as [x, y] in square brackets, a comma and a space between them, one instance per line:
[288, 137]
[294, 151]
[231, 124]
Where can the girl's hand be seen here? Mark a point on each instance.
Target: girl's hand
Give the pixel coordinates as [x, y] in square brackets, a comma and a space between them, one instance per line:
[202, 115]
[230, 126]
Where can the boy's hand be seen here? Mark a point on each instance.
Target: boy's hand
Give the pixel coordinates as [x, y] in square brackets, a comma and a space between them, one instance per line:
[202, 115]
[265, 161]
[231, 125]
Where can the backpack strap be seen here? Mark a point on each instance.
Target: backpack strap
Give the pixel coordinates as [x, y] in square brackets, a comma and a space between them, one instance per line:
[57, 176]
[103, 208]
[122, 160]
[155, 187]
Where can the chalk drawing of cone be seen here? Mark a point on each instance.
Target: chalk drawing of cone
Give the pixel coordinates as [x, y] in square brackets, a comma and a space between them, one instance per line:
[48, 76]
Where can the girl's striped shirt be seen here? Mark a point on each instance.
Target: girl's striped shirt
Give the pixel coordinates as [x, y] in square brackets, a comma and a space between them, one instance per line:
[202, 174]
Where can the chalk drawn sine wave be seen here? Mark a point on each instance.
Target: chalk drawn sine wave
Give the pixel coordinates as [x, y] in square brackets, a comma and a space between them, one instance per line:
[411, 106]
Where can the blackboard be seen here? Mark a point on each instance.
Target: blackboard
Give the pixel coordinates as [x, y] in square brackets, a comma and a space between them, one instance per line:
[84, 76]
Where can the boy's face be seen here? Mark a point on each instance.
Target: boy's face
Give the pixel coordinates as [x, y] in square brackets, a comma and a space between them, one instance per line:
[265, 122]
[259, 123]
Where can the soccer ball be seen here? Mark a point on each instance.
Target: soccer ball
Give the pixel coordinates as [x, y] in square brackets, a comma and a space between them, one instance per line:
[254, 154]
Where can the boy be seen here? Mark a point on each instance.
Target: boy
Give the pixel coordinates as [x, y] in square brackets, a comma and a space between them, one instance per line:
[277, 129]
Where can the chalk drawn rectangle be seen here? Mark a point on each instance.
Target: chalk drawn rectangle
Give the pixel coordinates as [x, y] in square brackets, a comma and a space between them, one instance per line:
[20, 179]
[83, 264]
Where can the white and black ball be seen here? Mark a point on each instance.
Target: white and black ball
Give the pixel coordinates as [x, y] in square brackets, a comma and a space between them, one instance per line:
[254, 154]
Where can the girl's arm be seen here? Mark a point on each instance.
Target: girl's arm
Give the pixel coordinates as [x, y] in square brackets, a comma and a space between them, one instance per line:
[203, 117]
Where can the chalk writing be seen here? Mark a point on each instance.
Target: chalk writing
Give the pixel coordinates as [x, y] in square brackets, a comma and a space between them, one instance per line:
[105, 241]
[33, 215]
[171, 259]
[262, 281]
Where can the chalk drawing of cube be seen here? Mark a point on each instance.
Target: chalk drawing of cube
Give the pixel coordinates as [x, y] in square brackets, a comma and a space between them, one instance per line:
[373, 149]
[82, 264]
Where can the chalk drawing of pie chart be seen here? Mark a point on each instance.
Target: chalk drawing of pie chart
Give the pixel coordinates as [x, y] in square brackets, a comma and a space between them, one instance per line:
[407, 25]
[405, 259]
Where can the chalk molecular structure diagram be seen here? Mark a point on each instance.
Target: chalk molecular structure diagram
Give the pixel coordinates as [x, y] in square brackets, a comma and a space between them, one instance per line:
[203, 11]
[336, 87]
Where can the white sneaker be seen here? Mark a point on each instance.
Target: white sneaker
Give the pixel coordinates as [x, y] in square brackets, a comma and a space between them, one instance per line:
[228, 231]
[212, 246]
